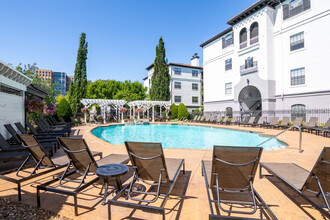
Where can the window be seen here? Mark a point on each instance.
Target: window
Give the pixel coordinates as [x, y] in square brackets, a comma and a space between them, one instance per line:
[195, 73]
[254, 33]
[194, 86]
[229, 112]
[295, 7]
[298, 110]
[298, 76]
[177, 71]
[228, 64]
[227, 40]
[194, 99]
[228, 88]
[297, 41]
[177, 98]
[243, 38]
[177, 85]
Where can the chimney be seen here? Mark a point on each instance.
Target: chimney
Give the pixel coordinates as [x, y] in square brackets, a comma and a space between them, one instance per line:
[195, 60]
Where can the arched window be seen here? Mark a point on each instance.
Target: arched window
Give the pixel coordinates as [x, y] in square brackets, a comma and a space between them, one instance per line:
[254, 33]
[298, 110]
[229, 112]
[243, 38]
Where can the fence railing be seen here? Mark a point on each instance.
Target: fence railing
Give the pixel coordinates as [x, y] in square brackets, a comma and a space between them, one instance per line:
[322, 114]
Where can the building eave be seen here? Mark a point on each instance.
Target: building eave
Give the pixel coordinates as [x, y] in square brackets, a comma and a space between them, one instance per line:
[13, 74]
[217, 36]
[185, 65]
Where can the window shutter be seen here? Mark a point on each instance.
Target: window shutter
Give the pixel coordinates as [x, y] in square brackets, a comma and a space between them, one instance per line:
[307, 4]
[223, 43]
[286, 14]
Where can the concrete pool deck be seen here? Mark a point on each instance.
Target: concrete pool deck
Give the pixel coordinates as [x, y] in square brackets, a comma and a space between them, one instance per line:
[189, 196]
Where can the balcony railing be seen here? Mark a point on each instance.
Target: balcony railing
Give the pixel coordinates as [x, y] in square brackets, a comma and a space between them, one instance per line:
[243, 45]
[254, 40]
[249, 69]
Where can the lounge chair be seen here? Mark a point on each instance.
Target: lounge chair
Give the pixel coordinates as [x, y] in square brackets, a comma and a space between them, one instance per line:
[273, 122]
[47, 129]
[250, 121]
[196, 116]
[48, 126]
[44, 142]
[284, 123]
[325, 129]
[74, 121]
[224, 120]
[235, 120]
[42, 136]
[38, 133]
[304, 182]
[311, 124]
[8, 152]
[260, 122]
[228, 177]
[297, 122]
[151, 167]
[40, 157]
[84, 164]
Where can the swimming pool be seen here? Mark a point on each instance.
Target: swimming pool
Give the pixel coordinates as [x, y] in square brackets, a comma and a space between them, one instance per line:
[184, 136]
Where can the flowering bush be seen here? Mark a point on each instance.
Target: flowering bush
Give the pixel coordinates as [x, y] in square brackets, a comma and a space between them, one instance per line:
[49, 109]
[34, 105]
[139, 110]
[123, 110]
[84, 110]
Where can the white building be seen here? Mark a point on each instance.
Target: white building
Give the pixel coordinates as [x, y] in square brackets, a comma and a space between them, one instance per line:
[186, 83]
[13, 86]
[274, 56]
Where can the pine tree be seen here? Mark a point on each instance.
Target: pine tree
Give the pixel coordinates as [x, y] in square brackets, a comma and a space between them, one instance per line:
[78, 88]
[160, 80]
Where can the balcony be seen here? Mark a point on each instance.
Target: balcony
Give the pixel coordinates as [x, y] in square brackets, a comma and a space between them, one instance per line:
[243, 45]
[254, 40]
[250, 68]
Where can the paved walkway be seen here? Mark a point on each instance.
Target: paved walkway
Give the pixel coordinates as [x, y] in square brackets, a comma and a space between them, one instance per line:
[189, 199]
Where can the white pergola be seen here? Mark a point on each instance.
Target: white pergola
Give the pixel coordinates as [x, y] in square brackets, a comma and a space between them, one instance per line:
[146, 105]
[103, 103]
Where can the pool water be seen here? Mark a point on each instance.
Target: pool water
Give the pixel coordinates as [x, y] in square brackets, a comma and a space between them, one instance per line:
[184, 136]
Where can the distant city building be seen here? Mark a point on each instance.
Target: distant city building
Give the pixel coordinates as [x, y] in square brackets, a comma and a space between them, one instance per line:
[60, 79]
[185, 85]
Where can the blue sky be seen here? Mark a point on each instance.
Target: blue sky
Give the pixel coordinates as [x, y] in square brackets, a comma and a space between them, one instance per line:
[121, 34]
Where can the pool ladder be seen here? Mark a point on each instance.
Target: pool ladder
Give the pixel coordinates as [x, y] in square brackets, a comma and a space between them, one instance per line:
[293, 126]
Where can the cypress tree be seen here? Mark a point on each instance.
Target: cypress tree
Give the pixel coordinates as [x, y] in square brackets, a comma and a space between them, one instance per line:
[160, 80]
[78, 88]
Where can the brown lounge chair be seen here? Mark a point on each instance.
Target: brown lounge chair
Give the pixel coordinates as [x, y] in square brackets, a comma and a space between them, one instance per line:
[284, 123]
[316, 181]
[249, 122]
[273, 122]
[229, 179]
[151, 167]
[40, 157]
[82, 159]
[260, 122]
[224, 120]
[325, 129]
[311, 124]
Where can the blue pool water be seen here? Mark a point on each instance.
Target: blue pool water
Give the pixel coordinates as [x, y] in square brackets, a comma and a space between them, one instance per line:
[184, 136]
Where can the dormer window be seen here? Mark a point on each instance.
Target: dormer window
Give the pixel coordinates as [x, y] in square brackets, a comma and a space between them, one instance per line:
[295, 7]
[254, 33]
[227, 40]
[243, 38]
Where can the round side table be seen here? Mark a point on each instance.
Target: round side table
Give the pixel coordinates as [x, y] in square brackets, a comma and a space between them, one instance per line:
[111, 171]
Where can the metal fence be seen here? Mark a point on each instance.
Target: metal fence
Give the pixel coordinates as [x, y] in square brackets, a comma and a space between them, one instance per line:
[322, 114]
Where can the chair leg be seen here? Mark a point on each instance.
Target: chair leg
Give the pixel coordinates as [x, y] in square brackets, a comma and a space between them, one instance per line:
[19, 191]
[75, 205]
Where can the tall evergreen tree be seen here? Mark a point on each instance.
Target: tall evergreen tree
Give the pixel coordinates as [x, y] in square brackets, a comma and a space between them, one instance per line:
[160, 80]
[78, 88]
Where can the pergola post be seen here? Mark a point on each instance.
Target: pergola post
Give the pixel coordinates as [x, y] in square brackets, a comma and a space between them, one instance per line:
[160, 111]
[148, 113]
[104, 106]
[153, 113]
[166, 110]
[85, 115]
[134, 112]
[130, 112]
[118, 115]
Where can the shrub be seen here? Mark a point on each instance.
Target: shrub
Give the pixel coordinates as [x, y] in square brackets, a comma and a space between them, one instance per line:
[64, 110]
[182, 111]
[173, 111]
